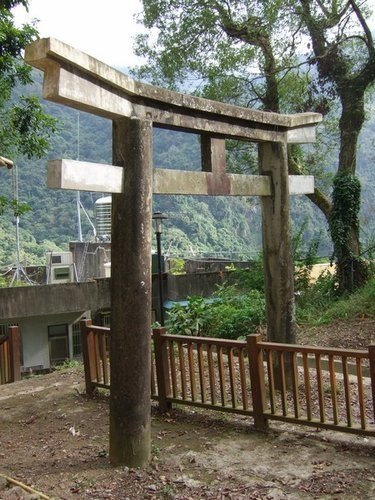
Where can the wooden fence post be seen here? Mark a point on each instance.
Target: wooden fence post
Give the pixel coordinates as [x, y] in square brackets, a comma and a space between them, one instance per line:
[88, 354]
[257, 381]
[371, 352]
[162, 369]
[15, 353]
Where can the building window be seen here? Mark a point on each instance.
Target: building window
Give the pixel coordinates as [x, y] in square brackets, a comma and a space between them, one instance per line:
[106, 319]
[58, 341]
[61, 273]
[77, 344]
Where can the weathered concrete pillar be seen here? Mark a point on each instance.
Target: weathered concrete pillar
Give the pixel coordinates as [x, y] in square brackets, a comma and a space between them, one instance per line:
[277, 245]
[130, 404]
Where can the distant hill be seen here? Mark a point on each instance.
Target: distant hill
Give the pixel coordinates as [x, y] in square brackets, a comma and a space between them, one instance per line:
[202, 225]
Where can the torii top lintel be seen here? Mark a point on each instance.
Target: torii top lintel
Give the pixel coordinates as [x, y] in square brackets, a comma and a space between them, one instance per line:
[78, 80]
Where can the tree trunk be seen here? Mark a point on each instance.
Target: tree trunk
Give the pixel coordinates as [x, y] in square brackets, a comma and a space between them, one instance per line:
[351, 269]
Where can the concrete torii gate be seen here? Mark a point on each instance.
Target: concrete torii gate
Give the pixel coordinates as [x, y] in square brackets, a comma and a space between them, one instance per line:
[80, 81]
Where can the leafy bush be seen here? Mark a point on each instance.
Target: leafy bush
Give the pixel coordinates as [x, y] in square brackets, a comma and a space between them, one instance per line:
[235, 315]
[230, 315]
[189, 319]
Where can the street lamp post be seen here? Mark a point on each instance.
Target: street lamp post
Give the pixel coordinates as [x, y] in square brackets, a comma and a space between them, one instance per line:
[158, 218]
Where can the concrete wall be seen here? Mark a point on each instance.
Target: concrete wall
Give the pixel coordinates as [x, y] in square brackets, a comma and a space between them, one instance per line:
[198, 284]
[30, 301]
[213, 265]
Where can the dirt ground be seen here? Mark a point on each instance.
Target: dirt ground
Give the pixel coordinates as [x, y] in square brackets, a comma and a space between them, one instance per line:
[55, 439]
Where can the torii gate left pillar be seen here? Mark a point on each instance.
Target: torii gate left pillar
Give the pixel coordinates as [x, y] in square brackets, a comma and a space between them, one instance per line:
[130, 437]
[76, 79]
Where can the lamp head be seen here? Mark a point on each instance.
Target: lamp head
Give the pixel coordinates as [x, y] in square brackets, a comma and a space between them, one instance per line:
[157, 218]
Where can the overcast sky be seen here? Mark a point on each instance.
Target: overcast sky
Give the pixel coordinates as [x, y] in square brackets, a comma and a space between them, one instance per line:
[103, 29]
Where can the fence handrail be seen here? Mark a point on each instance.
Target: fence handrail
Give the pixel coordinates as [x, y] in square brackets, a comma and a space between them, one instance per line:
[275, 346]
[302, 348]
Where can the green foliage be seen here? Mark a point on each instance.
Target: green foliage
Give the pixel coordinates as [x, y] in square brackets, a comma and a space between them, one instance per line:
[190, 319]
[29, 128]
[344, 218]
[235, 315]
[252, 278]
[352, 270]
[25, 128]
[323, 305]
[16, 207]
[68, 364]
[315, 297]
[230, 314]
[176, 266]
[3, 282]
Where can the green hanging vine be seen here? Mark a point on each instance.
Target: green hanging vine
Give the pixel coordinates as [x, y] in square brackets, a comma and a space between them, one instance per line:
[344, 218]
[352, 270]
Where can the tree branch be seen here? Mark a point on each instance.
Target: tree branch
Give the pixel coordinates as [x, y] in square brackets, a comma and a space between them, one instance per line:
[366, 29]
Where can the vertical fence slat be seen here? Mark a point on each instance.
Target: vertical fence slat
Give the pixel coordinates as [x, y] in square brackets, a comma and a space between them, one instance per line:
[295, 384]
[3, 378]
[7, 373]
[221, 376]
[193, 384]
[271, 380]
[232, 378]
[97, 357]
[306, 379]
[211, 374]
[348, 403]
[332, 378]
[103, 357]
[172, 364]
[371, 353]
[319, 377]
[257, 381]
[202, 378]
[181, 359]
[282, 383]
[241, 361]
[361, 400]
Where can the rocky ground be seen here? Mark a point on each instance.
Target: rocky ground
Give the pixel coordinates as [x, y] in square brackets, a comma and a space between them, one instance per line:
[55, 440]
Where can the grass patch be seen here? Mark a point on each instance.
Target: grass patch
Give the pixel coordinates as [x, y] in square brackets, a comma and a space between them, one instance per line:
[319, 307]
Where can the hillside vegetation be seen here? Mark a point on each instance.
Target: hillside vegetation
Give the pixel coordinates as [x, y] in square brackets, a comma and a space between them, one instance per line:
[218, 226]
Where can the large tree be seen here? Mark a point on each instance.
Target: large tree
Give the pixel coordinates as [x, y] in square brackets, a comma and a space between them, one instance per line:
[24, 127]
[249, 52]
[344, 53]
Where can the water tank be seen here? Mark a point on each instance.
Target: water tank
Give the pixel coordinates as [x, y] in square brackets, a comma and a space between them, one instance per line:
[103, 216]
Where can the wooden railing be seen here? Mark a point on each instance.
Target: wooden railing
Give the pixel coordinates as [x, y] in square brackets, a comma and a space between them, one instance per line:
[10, 366]
[267, 381]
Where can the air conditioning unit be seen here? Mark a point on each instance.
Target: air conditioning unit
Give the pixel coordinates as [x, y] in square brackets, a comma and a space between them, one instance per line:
[60, 267]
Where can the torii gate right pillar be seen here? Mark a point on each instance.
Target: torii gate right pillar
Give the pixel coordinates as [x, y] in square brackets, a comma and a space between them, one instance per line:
[277, 251]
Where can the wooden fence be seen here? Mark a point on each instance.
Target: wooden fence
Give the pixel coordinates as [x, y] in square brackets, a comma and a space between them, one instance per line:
[10, 366]
[321, 387]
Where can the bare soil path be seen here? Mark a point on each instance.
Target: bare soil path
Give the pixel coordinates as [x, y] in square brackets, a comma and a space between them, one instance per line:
[55, 439]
